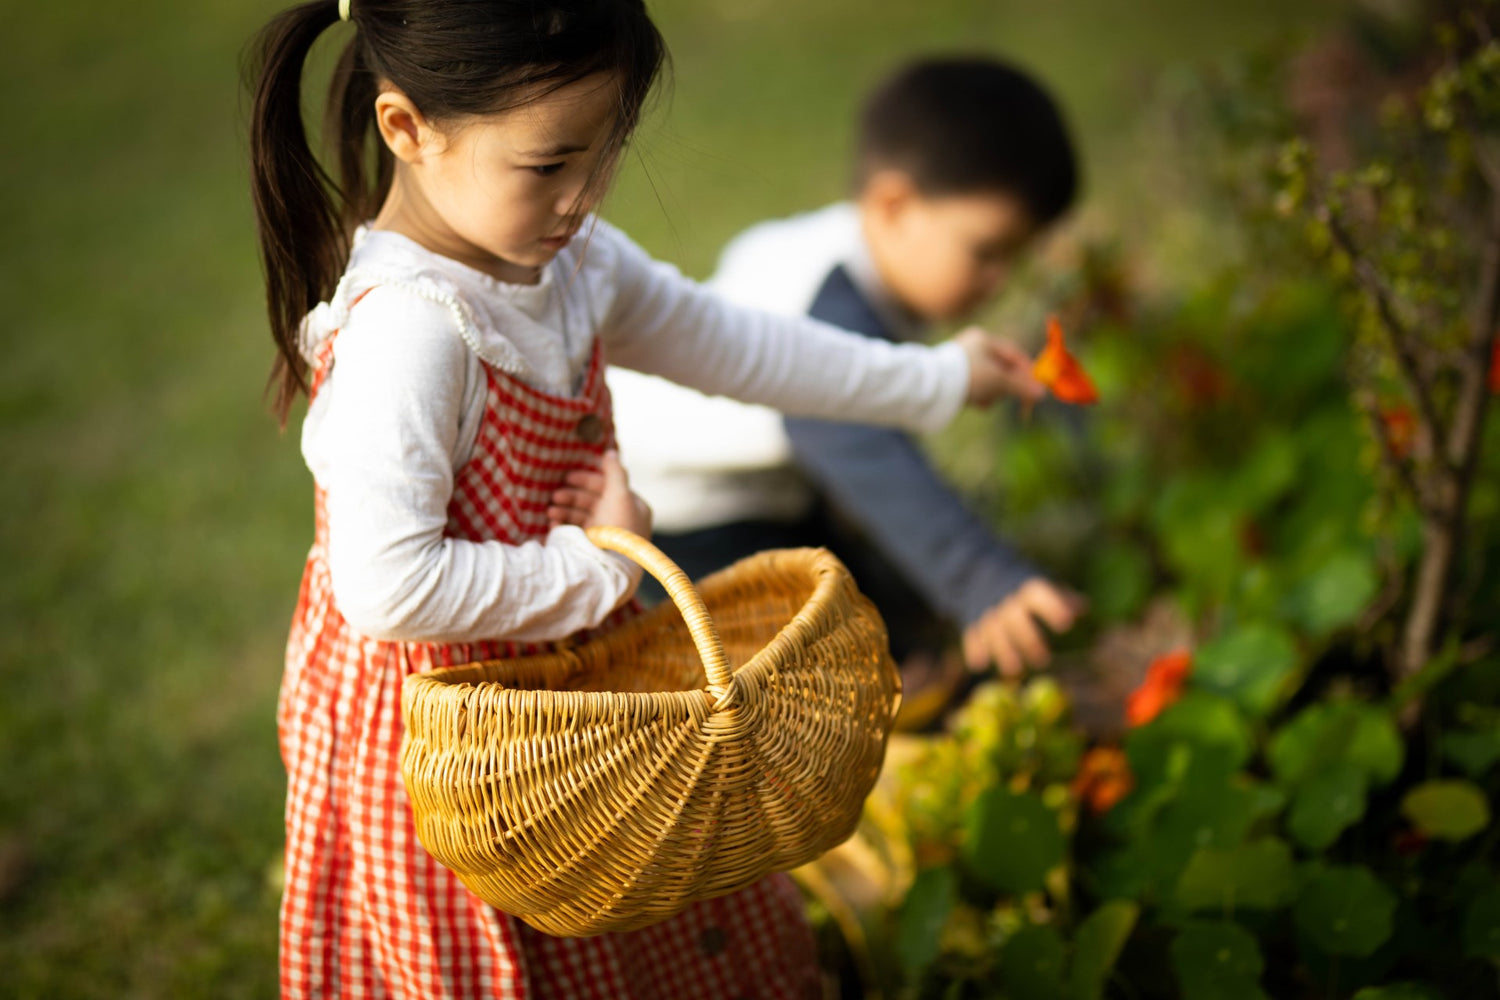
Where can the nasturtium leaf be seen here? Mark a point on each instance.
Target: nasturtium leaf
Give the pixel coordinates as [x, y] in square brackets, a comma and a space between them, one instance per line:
[1097, 946]
[920, 926]
[1215, 961]
[1011, 840]
[1268, 471]
[1473, 750]
[1447, 809]
[1204, 814]
[1250, 665]
[1345, 911]
[1256, 875]
[1482, 925]
[1360, 734]
[1119, 580]
[1334, 593]
[1207, 720]
[1031, 964]
[1399, 991]
[1326, 804]
[1269, 800]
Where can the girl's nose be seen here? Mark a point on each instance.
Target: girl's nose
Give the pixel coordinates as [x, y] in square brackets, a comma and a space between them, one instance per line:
[577, 199]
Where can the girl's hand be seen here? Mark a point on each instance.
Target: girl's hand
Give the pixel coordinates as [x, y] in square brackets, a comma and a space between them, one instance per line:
[602, 497]
[997, 367]
[1008, 636]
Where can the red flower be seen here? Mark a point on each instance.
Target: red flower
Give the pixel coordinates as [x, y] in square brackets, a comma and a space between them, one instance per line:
[1409, 842]
[1400, 428]
[1060, 372]
[1103, 779]
[1163, 686]
[1495, 367]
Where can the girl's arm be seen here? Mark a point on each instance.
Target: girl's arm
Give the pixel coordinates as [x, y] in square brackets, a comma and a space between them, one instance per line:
[663, 323]
[383, 438]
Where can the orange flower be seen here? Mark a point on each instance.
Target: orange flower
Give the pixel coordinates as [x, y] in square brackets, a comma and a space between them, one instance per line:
[1060, 372]
[1103, 779]
[1162, 686]
[1494, 367]
[1400, 428]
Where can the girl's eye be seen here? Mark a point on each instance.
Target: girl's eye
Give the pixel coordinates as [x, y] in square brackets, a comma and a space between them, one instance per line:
[547, 169]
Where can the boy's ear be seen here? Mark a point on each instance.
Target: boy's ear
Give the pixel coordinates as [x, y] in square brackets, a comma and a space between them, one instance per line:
[402, 127]
[888, 193]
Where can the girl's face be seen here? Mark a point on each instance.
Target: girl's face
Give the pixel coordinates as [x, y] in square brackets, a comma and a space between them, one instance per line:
[505, 192]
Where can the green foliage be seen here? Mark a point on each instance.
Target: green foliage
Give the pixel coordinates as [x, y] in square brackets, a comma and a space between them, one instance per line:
[1448, 810]
[1345, 910]
[1097, 947]
[1012, 840]
[1254, 875]
[1032, 964]
[1217, 960]
[1299, 821]
[928, 905]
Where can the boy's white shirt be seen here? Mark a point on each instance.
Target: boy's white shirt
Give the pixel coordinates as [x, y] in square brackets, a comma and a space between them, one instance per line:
[400, 409]
[730, 461]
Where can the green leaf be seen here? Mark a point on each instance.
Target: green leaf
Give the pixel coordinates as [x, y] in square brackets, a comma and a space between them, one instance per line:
[1399, 991]
[1269, 471]
[1212, 813]
[1326, 804]
[1329, 732]
[1031, 964]
[1207, 720]
[1345, 911]
[1482, 925]
[1119, 580]
[1250, 665]
[1334, 594]
[1475, 751]
[926, 909]
[1256, 875]
[1447, 809]
[1012, 840]
[1097, 946]
[1215, 961]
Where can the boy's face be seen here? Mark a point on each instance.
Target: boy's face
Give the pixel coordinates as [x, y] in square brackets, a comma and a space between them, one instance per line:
[942, 256]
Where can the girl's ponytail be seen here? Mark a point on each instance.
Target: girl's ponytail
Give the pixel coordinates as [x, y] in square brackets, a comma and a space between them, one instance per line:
[303, 242]
[453, 59]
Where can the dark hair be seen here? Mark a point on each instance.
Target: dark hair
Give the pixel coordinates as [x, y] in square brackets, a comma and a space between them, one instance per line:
[453, 59]
[960, 125]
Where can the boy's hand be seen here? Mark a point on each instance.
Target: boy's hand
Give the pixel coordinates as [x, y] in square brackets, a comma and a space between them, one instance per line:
[997, 367]
[1007, 634]
[603, 497]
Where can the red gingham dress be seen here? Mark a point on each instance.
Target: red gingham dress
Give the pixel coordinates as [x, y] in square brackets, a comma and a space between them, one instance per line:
[366, 911]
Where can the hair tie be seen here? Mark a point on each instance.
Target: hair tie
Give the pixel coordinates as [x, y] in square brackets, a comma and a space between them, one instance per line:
[343, 10]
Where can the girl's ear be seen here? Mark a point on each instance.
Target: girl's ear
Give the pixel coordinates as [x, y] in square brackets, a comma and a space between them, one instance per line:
[402, 127]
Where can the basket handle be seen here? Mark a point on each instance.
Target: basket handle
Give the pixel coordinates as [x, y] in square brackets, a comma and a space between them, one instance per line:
[694, 612]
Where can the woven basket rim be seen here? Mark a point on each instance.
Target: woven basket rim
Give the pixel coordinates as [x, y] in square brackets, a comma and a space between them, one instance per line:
[828, 576]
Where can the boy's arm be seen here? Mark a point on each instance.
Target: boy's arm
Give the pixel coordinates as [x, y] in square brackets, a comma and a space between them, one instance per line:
[883, 481]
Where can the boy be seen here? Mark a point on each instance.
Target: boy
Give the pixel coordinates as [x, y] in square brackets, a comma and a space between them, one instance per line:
[962, 162]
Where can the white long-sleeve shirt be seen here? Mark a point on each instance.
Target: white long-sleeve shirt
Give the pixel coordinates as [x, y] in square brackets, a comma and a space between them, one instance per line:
[400, 408]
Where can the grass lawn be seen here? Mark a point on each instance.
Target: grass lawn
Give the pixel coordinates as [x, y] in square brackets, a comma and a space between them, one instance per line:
[155, 521]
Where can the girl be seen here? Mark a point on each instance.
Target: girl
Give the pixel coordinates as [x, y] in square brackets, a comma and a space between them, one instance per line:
[447, 303]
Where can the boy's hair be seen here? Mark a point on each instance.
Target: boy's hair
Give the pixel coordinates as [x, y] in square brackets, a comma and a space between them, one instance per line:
[454, 59]
[968, 124]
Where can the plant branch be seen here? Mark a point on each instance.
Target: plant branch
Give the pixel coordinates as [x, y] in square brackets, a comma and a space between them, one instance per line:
[1374, 285]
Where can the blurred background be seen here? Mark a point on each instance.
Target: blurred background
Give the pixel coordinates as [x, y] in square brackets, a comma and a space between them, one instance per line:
[155, 520]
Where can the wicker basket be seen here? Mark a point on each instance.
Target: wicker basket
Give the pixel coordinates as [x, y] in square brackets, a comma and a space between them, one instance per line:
[606, 786]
